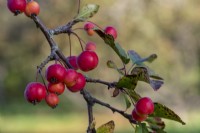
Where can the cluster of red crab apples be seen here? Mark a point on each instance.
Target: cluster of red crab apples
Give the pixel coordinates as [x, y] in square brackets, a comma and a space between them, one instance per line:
[59, 77]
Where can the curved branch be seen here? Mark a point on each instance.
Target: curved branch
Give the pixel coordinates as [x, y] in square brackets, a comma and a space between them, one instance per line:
[89, 97]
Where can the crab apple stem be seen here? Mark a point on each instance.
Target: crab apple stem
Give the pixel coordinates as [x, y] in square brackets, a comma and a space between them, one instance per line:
[79, 3]
[43, 81]
[36, 77]
[80, 40]
[125, 69]
[70, 45]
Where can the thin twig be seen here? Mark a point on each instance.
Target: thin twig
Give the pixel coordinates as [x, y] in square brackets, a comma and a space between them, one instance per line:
[109, 84]
[79, 5]
[80, 40]
[88, 97]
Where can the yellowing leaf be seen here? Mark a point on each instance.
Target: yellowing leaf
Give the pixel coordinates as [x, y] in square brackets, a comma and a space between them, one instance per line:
[164, 112]
[87, 12]
[106, 128]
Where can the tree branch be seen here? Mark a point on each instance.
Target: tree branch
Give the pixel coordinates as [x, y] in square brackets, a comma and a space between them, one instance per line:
[87, 96]
[109, 84]
[48, 35]
[90, 104]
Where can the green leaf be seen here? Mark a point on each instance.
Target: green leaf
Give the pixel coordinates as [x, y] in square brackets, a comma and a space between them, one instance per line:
[121, 52]
[108, 39]
[87, 12]
[112, 65]
[136, 59]
[141, 128]
[138, 74]
[152, 74]
[133, 95]
[127, 101]
[164, 112]
[128, 81]
[151, 58]
[106, 128]
[143, 75]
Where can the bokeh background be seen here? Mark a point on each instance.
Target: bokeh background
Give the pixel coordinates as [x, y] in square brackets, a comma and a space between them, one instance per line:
[171, 29]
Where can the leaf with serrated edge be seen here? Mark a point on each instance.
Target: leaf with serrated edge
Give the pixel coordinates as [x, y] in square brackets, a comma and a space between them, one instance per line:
[164, 112]
[108, 39]
[87, 12]
[106, 128]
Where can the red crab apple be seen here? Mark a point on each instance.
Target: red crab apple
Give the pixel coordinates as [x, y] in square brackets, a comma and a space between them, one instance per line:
[90, 46]
[144, 106]
[55, 73]
[87, 60]
[137, 117]
[32, 8]
[52, 100]
[70, 77]
[72, 60]
[16, 6]
[89, 28]
[58, 88]
[111, 31]
[35, 92]
[80, 83]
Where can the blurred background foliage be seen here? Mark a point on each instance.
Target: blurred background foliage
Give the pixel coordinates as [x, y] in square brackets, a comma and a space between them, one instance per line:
[171, 29]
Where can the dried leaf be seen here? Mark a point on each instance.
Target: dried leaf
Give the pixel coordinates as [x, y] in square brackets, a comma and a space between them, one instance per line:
[106, 128]
[116, 92]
